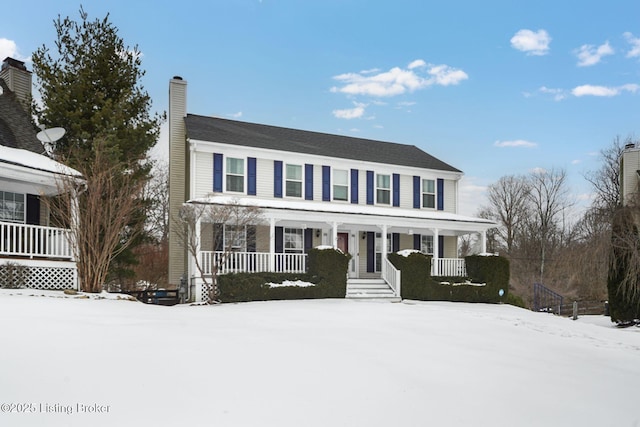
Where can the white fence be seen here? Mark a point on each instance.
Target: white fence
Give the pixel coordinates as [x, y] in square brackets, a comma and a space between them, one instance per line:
[31, 241]
[448, 267]
[252, 262]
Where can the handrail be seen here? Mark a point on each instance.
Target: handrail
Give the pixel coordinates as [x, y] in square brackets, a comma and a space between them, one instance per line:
[392, 276]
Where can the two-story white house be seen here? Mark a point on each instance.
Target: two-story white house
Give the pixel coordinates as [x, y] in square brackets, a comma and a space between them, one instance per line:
[364, 197]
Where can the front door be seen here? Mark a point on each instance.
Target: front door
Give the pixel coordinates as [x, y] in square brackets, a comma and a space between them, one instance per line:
[343, 245]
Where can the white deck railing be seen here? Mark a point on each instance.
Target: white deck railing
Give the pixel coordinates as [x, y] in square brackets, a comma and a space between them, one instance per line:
[252, 262]
[448, 267]
[391, 275]
[35, 241]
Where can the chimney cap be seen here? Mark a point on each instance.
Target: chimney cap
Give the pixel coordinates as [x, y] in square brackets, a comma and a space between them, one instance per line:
[11, 62]
[177, 78]
[629, 146]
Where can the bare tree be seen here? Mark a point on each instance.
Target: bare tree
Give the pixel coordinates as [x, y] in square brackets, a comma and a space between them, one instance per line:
[606, 180]
[548, 198]
[508, 206]
[100, 231]
[156, 191]
[233, 224]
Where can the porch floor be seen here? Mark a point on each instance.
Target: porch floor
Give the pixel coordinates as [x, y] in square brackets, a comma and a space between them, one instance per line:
[370, 289]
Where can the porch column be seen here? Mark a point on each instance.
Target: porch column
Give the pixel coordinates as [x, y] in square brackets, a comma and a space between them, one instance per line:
[272, 244]
[483, 241]
[435, 271]
[384, 250]
[334, 235]
[75, 224]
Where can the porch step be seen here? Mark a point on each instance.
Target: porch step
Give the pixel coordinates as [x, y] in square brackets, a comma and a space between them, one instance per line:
[369, 289]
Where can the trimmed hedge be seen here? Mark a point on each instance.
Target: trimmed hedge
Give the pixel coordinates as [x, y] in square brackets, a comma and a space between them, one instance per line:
[418, 284]
[327, 269]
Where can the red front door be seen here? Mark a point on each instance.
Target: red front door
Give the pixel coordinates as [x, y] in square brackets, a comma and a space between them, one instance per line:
[343, 242]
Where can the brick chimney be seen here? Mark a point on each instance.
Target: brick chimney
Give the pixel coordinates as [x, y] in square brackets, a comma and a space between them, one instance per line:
[18, 79]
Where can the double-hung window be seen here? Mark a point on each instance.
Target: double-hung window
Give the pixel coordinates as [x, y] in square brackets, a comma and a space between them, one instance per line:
[293, 183]
[428, 193]
[235, 238]
[235, 175]
[383, 189]
[340, 184]
[426, 244]
[293, 241]
[12, 206]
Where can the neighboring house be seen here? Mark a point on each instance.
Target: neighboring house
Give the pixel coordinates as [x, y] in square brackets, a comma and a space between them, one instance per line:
[630, 175]
[364, 197]
[32, 253]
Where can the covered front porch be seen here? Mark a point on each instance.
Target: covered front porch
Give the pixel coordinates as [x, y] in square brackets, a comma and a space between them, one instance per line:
[33, 253]
[290, 229]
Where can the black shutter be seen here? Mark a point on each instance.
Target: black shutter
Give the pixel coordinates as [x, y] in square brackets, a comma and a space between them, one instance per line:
[395, 242]
[279, 240]
[308, 239]
[33, 209]
[417, 242]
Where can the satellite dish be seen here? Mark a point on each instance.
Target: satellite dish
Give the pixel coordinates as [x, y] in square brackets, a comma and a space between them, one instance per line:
[50, 135]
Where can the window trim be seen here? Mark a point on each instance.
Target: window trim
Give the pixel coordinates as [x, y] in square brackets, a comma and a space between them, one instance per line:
[24, 207]
[387, 190]
[423, 193]
[347, 185]
[287, 179]
[236, 248]
[424, 244]
[289, 231]
[227, 173]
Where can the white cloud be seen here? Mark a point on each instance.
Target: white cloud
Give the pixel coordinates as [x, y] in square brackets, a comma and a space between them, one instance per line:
[235, 115]
[472, 195]
[515, 143]
[634, 51]
[592, 90]
[9, 48]
[350, 113]
[558, 94]
[576, 162]
[589, 54]
[533, 43]
[397, 80]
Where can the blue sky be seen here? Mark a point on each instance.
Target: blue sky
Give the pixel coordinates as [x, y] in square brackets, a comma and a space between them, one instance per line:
[493, 88]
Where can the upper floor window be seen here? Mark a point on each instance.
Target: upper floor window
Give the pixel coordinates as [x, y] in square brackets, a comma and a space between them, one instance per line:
[294, 181]
[235, 175]
[383, 189]
[426, 244]
[340, 184]
[293, 240]
[12, 206]
[428, 193]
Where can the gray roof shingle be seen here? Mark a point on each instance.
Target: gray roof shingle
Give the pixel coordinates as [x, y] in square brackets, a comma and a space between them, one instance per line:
[233, 132]
[16, 129]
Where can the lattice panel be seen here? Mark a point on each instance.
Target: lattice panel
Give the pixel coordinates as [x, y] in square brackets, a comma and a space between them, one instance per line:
[39, 277]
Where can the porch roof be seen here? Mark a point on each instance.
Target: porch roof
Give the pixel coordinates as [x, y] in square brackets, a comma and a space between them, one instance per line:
[31, 172]
[319, 214]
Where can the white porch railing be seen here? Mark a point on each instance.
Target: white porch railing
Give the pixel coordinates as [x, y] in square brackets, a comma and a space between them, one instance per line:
[35, 241]
[252, 262]
[448, 267]
[391, 275]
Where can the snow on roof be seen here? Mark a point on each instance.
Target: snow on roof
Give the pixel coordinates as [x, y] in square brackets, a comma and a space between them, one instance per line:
[346, 208]
[31, 160]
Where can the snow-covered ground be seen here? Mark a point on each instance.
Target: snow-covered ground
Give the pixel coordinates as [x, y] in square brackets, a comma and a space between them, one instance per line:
[104, 362]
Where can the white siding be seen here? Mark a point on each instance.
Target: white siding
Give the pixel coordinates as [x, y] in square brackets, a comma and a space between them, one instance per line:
[203, 174]
[406, 191]
[317, 183]
[450, 196]
[264, 178]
